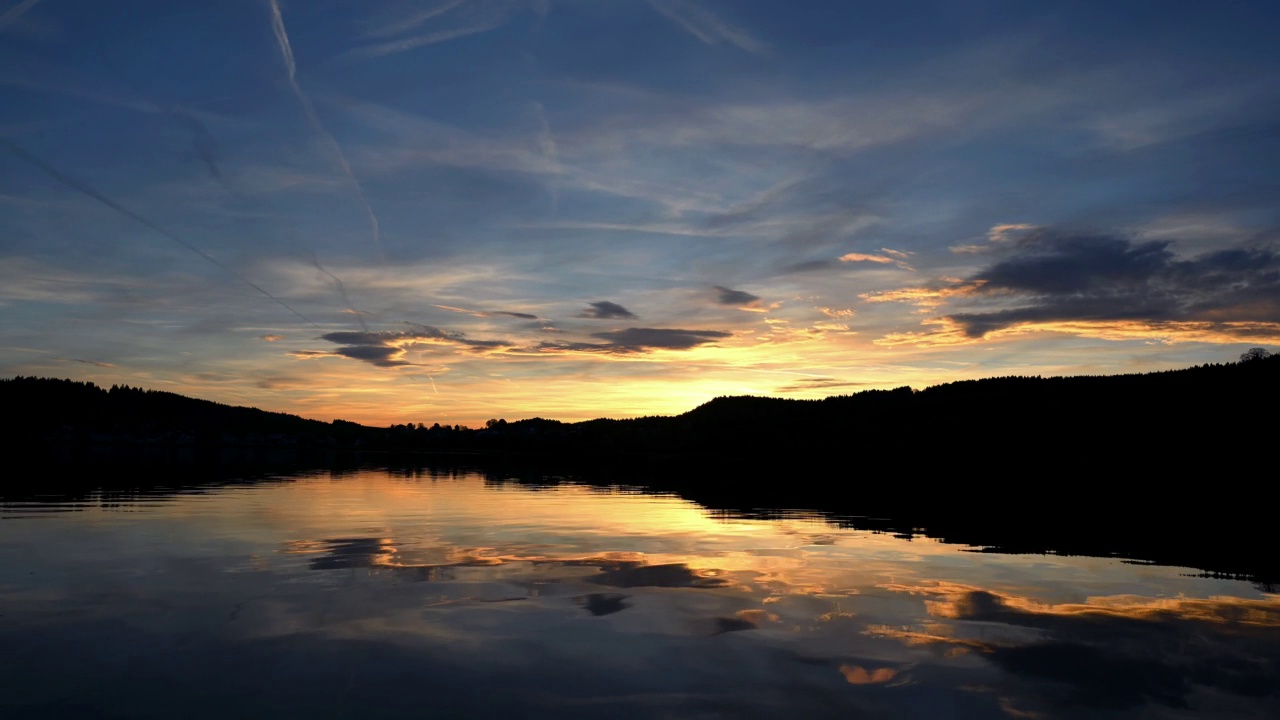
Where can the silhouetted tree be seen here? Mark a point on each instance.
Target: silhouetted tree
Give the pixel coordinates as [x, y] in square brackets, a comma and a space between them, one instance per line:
[1255, 354]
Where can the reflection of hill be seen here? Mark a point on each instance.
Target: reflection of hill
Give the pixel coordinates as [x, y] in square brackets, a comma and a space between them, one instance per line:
[1168, 466]
[1187, 532]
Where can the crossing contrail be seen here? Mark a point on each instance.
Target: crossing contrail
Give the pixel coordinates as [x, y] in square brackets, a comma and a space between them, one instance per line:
[342, 290]
[313, 119]
[86, 189]
[17, 11]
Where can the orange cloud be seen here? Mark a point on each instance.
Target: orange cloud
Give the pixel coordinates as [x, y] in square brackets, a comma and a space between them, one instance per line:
[996, 235]
[857, 675]
[923, 296]
[862, 257]
[950, 332]
[892, 257]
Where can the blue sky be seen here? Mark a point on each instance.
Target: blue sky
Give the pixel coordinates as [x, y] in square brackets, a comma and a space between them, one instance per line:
[452, 210]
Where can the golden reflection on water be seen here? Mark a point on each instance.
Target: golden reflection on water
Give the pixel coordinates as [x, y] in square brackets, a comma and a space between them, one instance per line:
[499, 575]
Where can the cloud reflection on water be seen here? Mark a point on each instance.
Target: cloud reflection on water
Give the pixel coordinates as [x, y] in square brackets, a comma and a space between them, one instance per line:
[378, 592]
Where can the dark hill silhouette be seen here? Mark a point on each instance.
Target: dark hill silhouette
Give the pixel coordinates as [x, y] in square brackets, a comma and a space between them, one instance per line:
[64, 413]
[1213, 414]
[1172, 466]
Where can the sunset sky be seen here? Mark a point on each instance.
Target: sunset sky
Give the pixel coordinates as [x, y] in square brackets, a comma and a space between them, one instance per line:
[450, 210]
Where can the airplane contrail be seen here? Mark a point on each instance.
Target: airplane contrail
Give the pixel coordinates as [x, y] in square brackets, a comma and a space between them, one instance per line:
[413, 21]
[342, 290]
[17, 11]
[313, 119]
[202, 141]
[86, 189]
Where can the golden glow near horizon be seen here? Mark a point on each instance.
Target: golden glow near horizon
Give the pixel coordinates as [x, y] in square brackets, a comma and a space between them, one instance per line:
[302, 232]
[815, 359]
[470, 572]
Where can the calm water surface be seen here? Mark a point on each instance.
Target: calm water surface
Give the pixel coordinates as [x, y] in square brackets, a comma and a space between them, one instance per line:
[374, 594]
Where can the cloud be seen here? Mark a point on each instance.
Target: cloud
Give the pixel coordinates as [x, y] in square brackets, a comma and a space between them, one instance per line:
[410, 22]
[605, 310]
[1085, 654]
[997, 235]
[281, 382]
[388, 348]
[380, 355]
[823, 383]
[951, 332]
[810, 266]
[318, 128]
[422, 334]
[341, 287]
[737, 298]
[417, 41]
[923, 297]
[891, 257]
[1074, 283]
[271, 338]
[638, 340]
[896, 258]
[857, 675]
[488, 313]
[1076, 265]
[824, 325]
[94, 363]
[707, 27]
[862, 257]
[88, 190]
[12, 14]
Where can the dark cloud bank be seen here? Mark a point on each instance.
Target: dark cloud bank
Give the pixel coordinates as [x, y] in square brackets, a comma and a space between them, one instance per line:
[638, 340]
[726, 296]
[605, 310]
[386, 349]
[1064, 277]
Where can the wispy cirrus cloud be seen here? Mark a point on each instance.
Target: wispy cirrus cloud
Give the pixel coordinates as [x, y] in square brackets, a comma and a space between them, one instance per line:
[489, 313]
[995, 236]
[819, 383]
[92, 192]
[889, 257]
[17, 11]
[386, 27]
[708, 27]
[392, 47]
[318, 128]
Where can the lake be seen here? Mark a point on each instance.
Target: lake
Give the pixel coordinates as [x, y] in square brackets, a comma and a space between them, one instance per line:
[376, 593]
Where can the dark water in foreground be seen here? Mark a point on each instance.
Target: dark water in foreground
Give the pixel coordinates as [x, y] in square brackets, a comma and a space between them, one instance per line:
[374, 595]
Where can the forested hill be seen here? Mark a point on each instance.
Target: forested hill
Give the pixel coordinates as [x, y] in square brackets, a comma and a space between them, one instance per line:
[65, 412]
[1212, 413]
[1219, 413]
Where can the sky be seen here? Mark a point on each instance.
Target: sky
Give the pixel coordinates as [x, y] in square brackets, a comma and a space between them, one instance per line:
[394, 211]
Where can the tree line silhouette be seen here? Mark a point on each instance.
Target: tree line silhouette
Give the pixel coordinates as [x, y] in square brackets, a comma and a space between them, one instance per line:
[1167, 466]
[1214, 413]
